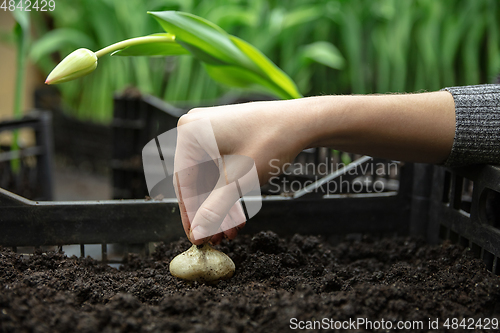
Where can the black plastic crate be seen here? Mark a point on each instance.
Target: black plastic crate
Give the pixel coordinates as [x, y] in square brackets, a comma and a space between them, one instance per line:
[136, 120]
[83, 144]
[465, 208]
[409, 211]
[33, 176]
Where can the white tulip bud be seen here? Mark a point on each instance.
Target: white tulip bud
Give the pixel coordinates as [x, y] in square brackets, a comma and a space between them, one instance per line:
[78, 63]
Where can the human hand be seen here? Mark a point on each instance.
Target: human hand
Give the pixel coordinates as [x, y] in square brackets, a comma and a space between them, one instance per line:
[208, 186]
[219, 155]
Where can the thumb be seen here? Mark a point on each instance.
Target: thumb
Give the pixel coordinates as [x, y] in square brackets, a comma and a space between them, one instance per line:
[213, 211]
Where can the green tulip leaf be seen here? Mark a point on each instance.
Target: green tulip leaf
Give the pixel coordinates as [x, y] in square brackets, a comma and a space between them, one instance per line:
[242, 78]
[272, 73]
[233, 76]
[235, 57]
[202, 38]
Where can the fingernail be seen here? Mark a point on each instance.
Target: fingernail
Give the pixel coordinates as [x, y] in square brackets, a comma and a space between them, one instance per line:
[199, 232]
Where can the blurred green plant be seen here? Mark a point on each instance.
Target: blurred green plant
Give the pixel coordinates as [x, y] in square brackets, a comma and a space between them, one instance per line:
[325, 46]
[22, 39]
[406, 46]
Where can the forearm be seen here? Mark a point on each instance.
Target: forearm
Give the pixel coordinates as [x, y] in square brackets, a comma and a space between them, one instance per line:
[413, 127]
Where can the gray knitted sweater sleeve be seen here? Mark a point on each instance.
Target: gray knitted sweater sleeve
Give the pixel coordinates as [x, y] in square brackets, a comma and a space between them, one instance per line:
[477, 133]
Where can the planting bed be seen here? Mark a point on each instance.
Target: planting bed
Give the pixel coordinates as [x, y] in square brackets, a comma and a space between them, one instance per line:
[276, 279]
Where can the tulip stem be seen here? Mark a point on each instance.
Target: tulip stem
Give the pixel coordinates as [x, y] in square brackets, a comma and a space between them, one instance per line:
[168, 38]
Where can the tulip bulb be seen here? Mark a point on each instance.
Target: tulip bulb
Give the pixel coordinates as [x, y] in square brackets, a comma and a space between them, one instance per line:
[202, 264]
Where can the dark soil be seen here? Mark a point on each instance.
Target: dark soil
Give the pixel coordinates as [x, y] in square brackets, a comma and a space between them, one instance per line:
[276, 280]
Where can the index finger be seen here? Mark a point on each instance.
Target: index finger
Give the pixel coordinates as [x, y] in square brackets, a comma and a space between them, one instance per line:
[196, 155]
